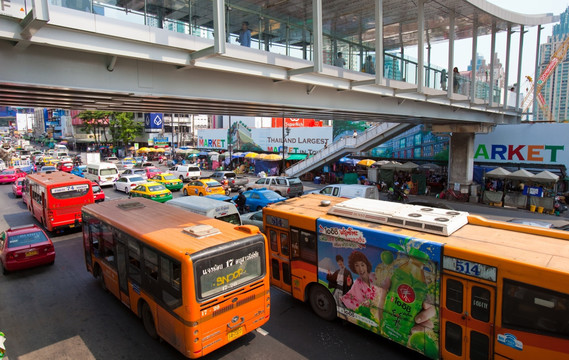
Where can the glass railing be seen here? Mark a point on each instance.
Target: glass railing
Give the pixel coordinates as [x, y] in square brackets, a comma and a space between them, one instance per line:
[270, 33]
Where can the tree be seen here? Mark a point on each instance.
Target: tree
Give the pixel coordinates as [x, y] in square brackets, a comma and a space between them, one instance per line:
[123, 128]
[95, 122]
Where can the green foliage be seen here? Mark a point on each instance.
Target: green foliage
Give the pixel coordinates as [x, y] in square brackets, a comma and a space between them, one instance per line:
[122, 128]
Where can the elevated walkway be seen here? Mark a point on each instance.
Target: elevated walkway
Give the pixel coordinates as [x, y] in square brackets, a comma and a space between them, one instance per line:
[372, 137]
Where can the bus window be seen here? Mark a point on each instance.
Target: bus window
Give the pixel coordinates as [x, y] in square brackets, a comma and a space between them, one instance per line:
[274, 243]
[285, 245]
[150, 263]
[535, 309]
[454, 296]
[453, 338]
[295, 243]
[108, 244]
[480, 304]
[308, 247]
[134, 260]
[170, 285]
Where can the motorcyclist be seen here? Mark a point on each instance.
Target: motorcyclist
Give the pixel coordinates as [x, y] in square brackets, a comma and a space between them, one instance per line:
[240, 202]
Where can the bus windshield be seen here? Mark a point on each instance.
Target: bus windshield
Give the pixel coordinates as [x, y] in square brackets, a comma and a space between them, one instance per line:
[69, 192]
[219, 272]
[230, 218]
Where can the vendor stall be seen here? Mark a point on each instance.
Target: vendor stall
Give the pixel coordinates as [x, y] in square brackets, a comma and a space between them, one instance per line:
[491, 193]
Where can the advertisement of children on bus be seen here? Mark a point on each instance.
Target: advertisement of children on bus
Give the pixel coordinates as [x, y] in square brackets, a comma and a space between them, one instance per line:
[383, 282]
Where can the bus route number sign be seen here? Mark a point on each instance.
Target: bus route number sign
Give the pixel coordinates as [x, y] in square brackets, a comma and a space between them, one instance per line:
[277, 221]
[469, 268]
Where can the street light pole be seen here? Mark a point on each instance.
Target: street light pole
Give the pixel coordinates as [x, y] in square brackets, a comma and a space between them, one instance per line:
[283, 159]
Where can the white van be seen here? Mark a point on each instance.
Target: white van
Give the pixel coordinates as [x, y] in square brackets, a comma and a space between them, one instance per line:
[217, 209]
[350, 191]
[102, 173]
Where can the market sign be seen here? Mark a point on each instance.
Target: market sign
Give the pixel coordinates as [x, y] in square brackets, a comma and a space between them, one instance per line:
[524, 144]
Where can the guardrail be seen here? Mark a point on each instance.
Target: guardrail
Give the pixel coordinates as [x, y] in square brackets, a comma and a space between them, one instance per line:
[347, 144]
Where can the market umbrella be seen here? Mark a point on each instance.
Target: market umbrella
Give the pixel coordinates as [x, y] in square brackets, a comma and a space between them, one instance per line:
[391, 165]
[429, 166]
[131, 148]
[152, 150]
[202, 153]
[193, 151]
[213, 153]
[251, 155]
[408, 166]
[182, 151]
[348, 161]
[143, 150]
[272, 157]
[545, 176]
[160, 150]
[521, 174]
[366, 162]
[498, 173]
[237, 155]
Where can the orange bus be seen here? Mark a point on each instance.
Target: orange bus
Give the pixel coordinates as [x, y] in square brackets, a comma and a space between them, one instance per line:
[444, 283]
[198, 283]
[55, 198]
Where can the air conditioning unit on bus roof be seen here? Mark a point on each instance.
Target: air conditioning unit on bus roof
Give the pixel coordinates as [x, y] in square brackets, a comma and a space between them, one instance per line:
[415, 217]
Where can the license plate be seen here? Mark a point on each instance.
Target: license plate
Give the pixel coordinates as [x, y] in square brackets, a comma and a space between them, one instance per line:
[162, 195]
[31, 253]
[72, 225]
[235, 334]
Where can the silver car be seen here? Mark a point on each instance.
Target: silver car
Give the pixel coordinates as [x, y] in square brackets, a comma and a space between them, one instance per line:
[253, 218]
[128, 182]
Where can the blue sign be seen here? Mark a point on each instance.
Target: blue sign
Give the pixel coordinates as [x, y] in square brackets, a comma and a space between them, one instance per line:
[533, 191]
[153, 122]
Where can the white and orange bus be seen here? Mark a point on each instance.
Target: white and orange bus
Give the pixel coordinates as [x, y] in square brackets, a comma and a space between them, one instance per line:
[445, 283]
[55, 198]
[197, 283]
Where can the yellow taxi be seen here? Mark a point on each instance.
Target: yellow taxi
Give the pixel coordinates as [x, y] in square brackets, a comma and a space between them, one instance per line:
[50, 161]
[171, 182]
[152, 191]
[203, 187]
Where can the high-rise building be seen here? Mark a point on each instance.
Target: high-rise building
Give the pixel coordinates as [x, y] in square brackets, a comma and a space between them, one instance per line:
[555, 90]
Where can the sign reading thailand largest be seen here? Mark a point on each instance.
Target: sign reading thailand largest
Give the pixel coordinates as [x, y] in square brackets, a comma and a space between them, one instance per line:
[298, 141]
[524, 144]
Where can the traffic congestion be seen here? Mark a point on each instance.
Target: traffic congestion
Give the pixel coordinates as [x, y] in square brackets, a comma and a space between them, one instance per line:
[156, 224]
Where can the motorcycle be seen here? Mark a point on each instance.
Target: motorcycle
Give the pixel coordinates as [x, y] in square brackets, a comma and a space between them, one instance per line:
[397, 194]
[558, 206]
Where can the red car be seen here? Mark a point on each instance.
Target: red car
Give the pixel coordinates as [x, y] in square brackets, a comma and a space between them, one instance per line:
[11, 175]
[17, 187]
[151, 171]
[98, 194]
[66, 166]
[25, 247]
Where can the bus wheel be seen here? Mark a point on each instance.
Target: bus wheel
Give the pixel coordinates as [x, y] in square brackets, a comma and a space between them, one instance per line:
[148, 321]
[322, 302]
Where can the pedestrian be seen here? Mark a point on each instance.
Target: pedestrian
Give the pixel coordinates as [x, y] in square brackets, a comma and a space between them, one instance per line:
[368, 66]
[444, 79]
[340, 62]
[244, 35]
[455, 80]
[355, 135]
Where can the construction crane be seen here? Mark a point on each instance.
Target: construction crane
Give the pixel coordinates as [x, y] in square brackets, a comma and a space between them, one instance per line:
[536, 87]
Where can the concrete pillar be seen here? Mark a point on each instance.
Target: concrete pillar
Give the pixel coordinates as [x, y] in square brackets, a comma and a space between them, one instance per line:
[461, 159]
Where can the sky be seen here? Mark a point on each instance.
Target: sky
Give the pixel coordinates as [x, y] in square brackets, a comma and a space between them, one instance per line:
[463, 48]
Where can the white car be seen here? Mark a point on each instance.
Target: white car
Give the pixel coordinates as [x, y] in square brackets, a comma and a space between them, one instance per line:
[253, 218]
[128, 182]
[125, 165]
[139, 172]
[2, 165]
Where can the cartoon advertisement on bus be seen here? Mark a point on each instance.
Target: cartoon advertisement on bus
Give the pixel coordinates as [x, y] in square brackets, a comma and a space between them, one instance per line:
[384, 282]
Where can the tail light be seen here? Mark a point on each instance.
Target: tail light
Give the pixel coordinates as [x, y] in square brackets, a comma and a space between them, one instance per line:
[10, 256]
[48, 249]
[99, 178]
[288, 191]
[188, 174]
[233, 181]
[50, 215]
[132, 185]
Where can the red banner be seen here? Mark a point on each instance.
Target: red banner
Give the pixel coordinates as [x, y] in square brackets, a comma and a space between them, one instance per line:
[296, 122]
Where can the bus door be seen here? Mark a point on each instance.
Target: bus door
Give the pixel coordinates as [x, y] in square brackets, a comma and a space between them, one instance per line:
[280, 258]
[467, 321]
[122, 262]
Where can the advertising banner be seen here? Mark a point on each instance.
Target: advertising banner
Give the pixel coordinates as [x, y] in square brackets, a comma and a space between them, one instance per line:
[296, 122]
[297, 141]
[382, 282]
[544, 144]
[153, 122]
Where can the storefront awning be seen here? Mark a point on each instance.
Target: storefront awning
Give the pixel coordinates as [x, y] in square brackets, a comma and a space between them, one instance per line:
[296, 157]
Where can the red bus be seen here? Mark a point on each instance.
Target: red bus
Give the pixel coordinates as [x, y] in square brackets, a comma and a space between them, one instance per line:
[55, 199]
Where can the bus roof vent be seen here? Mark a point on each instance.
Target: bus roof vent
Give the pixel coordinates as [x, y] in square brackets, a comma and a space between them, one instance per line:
[130, 205]
[431, 220]
[201, 231]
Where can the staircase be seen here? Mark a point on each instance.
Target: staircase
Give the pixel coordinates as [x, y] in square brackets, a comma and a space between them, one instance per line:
[372, 137]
